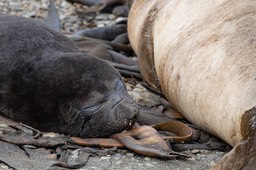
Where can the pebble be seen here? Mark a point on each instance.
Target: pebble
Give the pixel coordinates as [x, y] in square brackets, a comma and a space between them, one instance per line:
[3, 125]
[50, 134]
[75, 153]
[205, 151]
[111, 17]
[101, 17]
[105, 157]
[31, 14]
[104, 23]
[64, 4]
[187, 152]
[201, 157]
[120, 19]
[148, 164]
[116, 158]
[30, 146]
[95, 168]
[2, 166]
[192, 159]
[212, 163]
[119, 162]
[147, 158]
[130, 155]
[195, 151]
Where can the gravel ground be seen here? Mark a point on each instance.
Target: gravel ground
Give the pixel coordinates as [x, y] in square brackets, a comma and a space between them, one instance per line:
[200, 160]
[71, 22]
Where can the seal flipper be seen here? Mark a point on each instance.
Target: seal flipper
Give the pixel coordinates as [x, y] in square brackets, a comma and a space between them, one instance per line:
[243, 155]
[52, 19]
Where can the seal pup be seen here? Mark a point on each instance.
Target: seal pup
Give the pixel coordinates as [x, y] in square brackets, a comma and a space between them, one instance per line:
[47, 83]
[202, 56]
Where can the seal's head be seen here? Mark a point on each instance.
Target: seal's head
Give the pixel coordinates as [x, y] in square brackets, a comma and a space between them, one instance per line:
[106, 114]
[101, 105]
[46, 82]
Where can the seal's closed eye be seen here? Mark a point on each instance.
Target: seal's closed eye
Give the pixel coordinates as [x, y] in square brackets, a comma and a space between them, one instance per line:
[92, 108]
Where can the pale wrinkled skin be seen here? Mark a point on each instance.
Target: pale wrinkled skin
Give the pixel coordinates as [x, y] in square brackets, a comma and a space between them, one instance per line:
[202, 56]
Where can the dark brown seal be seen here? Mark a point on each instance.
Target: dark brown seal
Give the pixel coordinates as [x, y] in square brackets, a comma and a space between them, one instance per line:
[47, 83]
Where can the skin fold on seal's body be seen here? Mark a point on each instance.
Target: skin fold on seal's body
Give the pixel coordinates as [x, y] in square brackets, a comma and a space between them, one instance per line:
[202, 56]
[46, 82]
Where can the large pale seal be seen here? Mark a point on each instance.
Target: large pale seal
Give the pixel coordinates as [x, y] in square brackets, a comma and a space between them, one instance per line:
[47, 83]
[202, 56]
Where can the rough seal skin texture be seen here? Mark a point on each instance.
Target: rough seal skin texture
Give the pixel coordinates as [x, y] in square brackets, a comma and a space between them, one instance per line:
[47, 83]
[204, 58]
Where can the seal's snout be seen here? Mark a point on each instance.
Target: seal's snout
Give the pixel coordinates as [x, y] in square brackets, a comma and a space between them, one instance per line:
[125, 109]
[132, 117]
[129, 111]
[132, 110]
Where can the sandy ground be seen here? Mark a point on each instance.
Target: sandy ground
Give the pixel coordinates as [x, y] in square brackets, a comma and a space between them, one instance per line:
[121, 159]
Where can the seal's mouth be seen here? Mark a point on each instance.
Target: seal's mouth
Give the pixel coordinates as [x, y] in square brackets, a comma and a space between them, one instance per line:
[130, 122]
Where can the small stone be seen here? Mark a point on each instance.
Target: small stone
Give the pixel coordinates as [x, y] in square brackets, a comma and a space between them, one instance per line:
[201, 157]
[192, 159]
[100, 24]
[128, 168]
[2, 166]
[95, 168]
[117, 158]
[50, 134]
[147, 159]
[101, 17]
[75, 153]
[111, 17]
[148, 164]
[105, 158]
[118, 155]
[3, 125]
[212, 163]
[63, 4]
[118, 162]
[30, 14]
[52, 156]
[187, 152]
[130, 155]
[120, 19]
[205, 151]
[195, 151]
[29, 146]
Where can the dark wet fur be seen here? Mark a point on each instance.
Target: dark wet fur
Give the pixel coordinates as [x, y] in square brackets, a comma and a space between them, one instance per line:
[47, 83]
